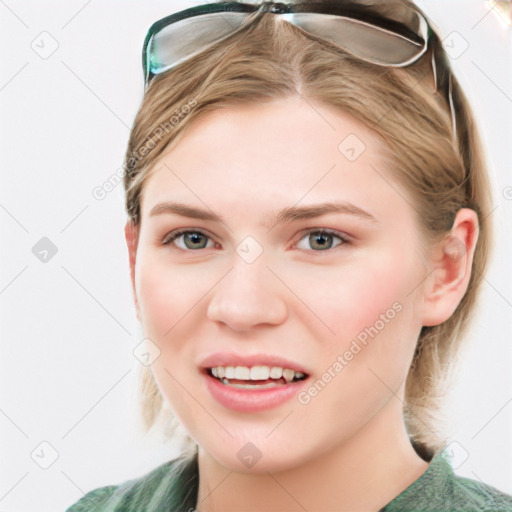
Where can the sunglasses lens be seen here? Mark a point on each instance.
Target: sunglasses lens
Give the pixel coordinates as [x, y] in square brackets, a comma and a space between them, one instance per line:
[188, 37]
[364, 40]
[178, 41]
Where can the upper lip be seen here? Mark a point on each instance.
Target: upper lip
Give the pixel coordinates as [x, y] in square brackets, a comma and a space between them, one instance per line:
[249, 360]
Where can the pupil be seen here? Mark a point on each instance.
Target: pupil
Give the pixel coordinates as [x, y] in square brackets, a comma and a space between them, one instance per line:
[322, 237]
[194, 237]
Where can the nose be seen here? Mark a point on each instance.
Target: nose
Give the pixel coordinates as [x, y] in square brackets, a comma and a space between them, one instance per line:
[247, 296]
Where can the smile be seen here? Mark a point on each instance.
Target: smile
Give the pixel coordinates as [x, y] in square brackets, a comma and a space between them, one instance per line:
[255, 377]
[253, 389]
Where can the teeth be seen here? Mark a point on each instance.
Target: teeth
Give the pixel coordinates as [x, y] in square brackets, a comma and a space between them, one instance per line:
[276, 372]
[251, 386]
[256, 373]
[242, 373]
[288, 374]
[260, 373]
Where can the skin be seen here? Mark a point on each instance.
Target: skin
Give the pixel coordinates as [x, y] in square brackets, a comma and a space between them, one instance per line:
[347, 449]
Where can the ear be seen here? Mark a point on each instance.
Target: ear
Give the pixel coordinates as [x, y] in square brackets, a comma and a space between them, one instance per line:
[131, 234]
[451, 262]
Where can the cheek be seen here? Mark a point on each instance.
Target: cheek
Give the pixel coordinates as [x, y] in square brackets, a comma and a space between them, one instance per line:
[166, 296]
[354, 298]
[158, 300]
[169, 302]
[373, 314]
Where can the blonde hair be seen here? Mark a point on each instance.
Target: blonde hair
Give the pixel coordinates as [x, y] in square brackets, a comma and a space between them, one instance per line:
[268, 59]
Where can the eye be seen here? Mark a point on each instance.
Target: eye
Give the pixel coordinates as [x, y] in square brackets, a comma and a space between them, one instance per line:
[321, 240]
[189, 240]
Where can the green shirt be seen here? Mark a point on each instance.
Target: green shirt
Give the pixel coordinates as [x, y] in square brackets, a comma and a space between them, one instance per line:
[173, 486]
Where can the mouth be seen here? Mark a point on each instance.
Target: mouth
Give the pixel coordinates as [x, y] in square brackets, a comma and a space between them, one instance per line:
[255, 377]
[250, 389]
[252, 382]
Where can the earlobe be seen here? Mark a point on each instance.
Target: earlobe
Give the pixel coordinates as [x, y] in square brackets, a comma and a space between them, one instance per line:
[451, 262]
[131, 233]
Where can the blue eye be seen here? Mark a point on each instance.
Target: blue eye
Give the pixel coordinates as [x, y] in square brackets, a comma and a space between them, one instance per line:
[319, 240]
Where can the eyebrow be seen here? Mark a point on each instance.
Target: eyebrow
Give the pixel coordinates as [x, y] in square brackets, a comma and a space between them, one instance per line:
[286, 215]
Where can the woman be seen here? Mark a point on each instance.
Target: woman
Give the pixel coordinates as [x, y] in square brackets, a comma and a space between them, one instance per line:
[305, 235]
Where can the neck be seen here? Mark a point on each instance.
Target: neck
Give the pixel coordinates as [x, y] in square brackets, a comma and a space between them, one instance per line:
[363, 473]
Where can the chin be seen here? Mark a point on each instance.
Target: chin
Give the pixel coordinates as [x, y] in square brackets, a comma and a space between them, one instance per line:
[257, 455]
[274, 462]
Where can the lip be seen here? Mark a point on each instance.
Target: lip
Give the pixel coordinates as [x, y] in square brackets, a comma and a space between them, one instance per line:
[250, 400]
[232, 359]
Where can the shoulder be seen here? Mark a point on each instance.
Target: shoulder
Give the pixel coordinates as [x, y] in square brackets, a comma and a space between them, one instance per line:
[169, 486]
[95, 499]
[439, 489]
[471, 494]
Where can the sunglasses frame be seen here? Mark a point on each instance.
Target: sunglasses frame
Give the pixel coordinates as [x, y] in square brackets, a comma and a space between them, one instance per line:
[353, 10]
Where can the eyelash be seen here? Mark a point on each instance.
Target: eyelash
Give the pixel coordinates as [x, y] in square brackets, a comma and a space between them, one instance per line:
[171, 237]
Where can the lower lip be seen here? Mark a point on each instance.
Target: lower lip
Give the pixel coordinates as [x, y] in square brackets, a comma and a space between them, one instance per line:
[248, 400]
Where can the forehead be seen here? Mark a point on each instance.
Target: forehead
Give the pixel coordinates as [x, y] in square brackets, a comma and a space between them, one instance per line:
[274, 154]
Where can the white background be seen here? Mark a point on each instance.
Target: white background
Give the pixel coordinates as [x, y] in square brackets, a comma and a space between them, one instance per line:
[68, 326]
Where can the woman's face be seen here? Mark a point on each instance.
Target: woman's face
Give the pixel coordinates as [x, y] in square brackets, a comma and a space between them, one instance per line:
[253, 284]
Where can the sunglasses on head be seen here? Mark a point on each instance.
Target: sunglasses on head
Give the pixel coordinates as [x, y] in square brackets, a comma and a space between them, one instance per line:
[384, 33]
